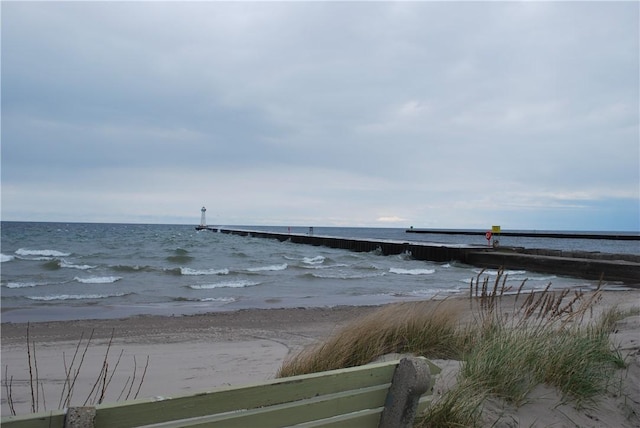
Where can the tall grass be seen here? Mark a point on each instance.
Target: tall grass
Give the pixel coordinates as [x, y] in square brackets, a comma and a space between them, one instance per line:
[512, 342]
[427, 328]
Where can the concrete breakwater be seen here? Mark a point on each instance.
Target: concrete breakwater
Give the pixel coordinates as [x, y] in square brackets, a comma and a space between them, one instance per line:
[588, 265]
[616, 236]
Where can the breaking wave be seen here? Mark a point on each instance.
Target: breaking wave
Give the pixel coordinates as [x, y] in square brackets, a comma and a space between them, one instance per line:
[22, 284]
[44, 253]
[400, 271]
[268, 268]
[75, 297]
[98, 279]
[6, 258]
[228, 284]
[189, 271]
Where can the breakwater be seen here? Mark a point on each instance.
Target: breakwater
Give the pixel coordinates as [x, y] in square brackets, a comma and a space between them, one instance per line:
[617, 236]
[588, 265]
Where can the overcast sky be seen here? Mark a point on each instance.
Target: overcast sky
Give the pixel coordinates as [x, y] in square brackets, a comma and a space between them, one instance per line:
[424, 114]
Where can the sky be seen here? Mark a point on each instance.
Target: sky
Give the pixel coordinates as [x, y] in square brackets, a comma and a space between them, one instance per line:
[372, 114]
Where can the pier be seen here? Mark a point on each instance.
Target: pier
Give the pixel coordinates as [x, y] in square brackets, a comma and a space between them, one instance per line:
[618, 236]
[579, 264]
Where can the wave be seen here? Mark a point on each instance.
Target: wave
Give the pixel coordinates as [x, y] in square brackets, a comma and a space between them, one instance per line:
[181, 258]
[431, 292]
[268, 268]
[492, 272]
[45, 253]
[6, 258]
[131, 269]
[76, 296]
[52, 265]
[65, 264]
[98, 279]
[189, 271]
[229, 284]
[313, 260]
[407, 255]
[400, 271]
[22, 284]
[342, 275]
[205, 299]
[337, 265]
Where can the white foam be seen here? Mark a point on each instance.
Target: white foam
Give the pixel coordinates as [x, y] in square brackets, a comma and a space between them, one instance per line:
[218, 299]
[495, 272]
[229, 284]
[313, 260]
[6, 258]
[98, 279]
[189, 271]
[400, 271]
[45, 253]
[21, 284]
[344, 275]
[65, 264]
[268, 268]
[74, 296]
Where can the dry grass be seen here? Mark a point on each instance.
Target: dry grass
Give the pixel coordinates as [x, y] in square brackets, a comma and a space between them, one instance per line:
[512, 342]
[427, 328]
[72, 367]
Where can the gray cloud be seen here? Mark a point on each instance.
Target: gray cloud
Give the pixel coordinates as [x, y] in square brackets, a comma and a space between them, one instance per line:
[439, 114]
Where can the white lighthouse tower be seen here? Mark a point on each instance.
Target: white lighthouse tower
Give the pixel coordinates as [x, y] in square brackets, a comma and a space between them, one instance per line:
[203, 220]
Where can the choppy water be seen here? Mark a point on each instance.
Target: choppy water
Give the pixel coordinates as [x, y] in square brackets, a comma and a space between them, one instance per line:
[53, 271]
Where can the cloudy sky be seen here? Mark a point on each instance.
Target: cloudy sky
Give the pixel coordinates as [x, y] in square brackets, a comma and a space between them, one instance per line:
[441, 115]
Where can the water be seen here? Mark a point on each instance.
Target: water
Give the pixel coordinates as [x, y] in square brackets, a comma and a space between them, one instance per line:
[56, 271]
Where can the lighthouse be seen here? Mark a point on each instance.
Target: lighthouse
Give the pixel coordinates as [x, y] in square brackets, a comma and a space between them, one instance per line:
[203, 220]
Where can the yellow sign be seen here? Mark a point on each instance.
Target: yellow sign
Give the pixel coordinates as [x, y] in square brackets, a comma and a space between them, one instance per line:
[495, 229]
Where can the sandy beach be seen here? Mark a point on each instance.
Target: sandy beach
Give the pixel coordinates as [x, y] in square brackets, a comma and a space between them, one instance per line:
[188, 354]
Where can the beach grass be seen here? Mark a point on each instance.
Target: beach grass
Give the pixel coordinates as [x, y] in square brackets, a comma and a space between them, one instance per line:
[512, 342]
[424, 328]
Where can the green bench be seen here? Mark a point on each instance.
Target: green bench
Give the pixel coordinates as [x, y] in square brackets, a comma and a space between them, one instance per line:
[387, 394]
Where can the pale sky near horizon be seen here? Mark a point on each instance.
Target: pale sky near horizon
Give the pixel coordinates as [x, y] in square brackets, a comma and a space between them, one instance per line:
[379, 114]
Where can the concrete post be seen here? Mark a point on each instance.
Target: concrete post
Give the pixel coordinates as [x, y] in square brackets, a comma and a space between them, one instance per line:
[410, 380]
[80, 417]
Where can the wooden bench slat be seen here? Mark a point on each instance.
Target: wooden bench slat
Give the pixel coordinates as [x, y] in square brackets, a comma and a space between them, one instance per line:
[273, 392]
[290, 413]
[51, 419]
[359, 419]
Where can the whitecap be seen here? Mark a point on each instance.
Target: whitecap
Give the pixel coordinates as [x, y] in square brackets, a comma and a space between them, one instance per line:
[189, 271]
[65, 264]
[229, 284]
[344, 275]
[491, 272]
[313, 260]
[268, 268]
[432, 292]
[98, 279]
[21, 284]
[74, 296]
[400, 271]
[6, 258]
[45, 253]
[217, 299]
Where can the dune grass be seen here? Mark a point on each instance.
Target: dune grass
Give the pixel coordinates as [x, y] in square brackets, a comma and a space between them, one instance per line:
[426, 328]
[511, 343]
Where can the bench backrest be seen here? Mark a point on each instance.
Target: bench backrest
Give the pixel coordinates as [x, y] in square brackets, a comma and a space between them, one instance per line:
[352, 397]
